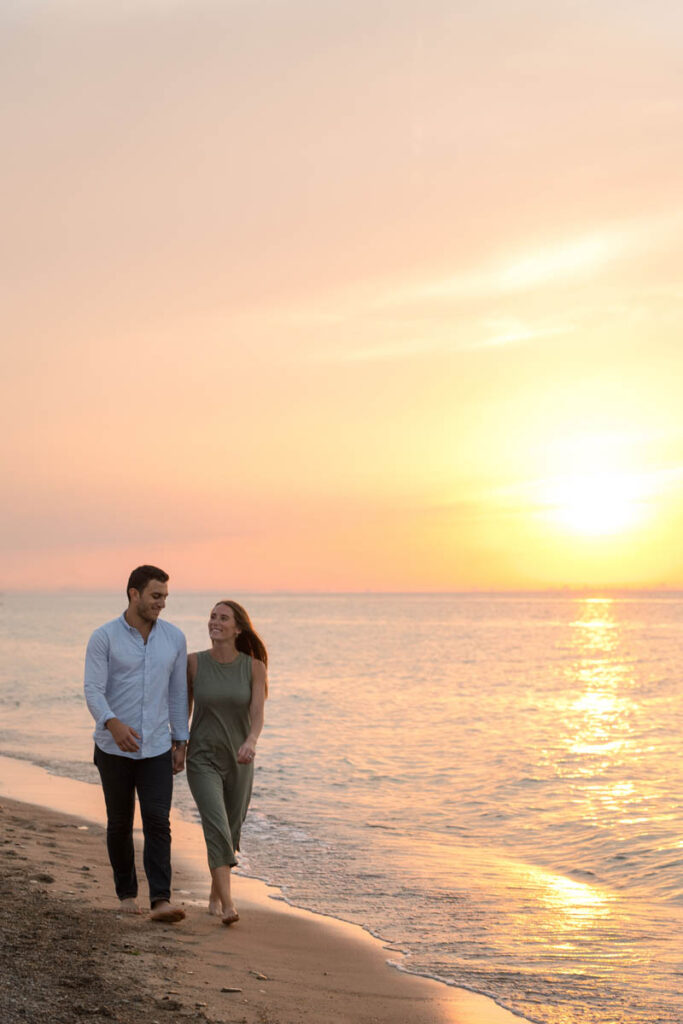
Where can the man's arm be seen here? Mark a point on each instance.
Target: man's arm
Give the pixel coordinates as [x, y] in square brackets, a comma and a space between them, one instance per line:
[95, 685]
[95, 682]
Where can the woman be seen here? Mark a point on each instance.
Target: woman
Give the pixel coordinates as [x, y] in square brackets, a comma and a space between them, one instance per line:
[228, 687]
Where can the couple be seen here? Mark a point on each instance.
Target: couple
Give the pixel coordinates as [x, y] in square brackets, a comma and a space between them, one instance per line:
[140, 687]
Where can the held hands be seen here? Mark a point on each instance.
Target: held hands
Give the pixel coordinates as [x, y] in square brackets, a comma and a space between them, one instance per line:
[124, 735]
[247, 752]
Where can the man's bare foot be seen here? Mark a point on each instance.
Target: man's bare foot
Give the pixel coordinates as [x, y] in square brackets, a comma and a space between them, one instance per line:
[230, 916]
[215, 908]
[166, 913]
[129, 906]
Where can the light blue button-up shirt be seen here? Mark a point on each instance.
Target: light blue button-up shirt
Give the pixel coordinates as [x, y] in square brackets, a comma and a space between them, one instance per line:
[142, 684]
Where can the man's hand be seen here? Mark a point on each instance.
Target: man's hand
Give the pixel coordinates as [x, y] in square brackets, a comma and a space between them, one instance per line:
[178, 758]
[124, 735]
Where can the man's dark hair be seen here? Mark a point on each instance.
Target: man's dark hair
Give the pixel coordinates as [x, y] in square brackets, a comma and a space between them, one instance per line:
[140, 577]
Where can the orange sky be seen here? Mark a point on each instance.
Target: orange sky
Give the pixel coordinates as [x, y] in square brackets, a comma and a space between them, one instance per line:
[342, 295]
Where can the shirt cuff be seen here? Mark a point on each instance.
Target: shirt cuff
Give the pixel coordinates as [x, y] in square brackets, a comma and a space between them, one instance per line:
[104, 718]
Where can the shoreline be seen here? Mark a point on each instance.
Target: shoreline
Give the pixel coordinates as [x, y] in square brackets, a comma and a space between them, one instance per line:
[289, 964]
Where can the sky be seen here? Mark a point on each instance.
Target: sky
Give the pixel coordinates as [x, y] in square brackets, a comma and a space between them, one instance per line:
[342, 295]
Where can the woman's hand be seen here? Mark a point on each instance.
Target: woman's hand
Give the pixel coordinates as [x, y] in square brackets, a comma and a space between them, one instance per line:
[247, 752]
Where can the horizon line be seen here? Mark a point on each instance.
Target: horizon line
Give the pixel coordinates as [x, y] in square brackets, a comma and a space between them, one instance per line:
[558, 591]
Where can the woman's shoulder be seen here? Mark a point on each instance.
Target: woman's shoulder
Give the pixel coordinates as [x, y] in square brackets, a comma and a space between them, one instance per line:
[257, 668]
[194, 658]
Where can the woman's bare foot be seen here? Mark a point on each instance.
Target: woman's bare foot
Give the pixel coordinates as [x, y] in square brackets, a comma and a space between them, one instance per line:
[166, 913]
[230, 915]
[129, 906]
[220, 898]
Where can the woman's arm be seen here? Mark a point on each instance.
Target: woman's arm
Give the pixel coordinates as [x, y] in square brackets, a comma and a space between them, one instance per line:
[247, 751]
[179, 747]
[191, 673]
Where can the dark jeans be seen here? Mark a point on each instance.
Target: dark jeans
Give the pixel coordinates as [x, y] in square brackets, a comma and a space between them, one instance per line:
[152, 778]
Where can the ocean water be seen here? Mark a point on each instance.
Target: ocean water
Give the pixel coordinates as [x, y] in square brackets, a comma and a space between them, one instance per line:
[492, 784]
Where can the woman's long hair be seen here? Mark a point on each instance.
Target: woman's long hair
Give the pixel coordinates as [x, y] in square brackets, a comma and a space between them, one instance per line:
[248, 641]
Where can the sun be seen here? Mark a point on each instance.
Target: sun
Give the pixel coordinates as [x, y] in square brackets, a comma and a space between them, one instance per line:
[594, 505]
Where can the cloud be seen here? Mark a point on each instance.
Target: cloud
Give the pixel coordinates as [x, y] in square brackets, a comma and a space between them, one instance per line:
[577, 258]
[513, 333]
[383, 320]
[550, 261]
[464, 337]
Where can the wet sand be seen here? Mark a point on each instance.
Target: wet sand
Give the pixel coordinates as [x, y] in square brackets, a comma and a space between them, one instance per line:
[69, 954]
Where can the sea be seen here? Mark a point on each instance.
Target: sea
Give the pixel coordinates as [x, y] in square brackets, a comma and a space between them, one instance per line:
[490, 783]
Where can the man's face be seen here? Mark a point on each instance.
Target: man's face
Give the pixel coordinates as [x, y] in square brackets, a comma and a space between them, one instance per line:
[150, 602]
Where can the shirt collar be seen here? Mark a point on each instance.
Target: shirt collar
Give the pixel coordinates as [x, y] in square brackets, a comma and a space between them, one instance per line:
[132, 629]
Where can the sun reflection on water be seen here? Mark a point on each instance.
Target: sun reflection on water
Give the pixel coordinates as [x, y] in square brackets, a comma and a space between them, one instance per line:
[570, 911]
[596, 626]
[572, 903]
[598, 711]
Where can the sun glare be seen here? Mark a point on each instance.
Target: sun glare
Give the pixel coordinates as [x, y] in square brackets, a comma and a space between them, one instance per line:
[594, 505]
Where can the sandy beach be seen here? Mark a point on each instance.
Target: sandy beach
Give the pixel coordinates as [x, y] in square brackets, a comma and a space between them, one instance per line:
[68, 954]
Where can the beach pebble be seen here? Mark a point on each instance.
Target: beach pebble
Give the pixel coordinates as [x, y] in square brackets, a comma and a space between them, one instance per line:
[227, 988]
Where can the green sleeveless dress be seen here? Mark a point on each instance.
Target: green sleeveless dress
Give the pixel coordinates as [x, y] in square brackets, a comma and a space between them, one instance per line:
[220, 724]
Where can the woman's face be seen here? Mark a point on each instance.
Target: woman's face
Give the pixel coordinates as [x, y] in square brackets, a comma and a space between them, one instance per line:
[222, 625]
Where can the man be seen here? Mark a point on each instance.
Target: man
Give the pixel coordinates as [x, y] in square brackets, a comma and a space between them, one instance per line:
[136, 690]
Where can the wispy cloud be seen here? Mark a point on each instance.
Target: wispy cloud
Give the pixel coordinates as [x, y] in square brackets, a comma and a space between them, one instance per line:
[552, 260]
[466, 337]
[500, 333]
[580, 257]
[382, 321]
